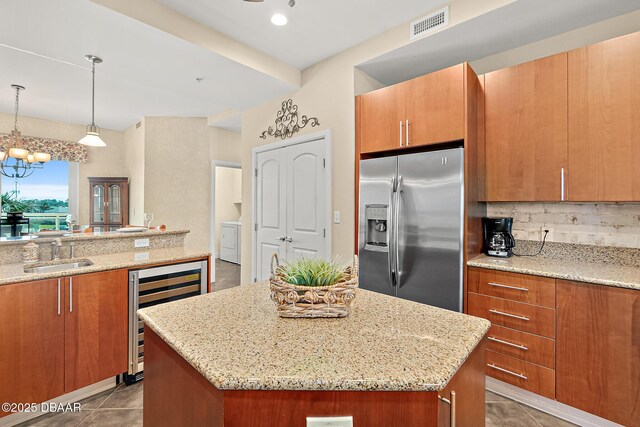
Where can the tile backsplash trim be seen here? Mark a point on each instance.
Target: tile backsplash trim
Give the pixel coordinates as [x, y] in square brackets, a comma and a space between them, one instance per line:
[599, 224]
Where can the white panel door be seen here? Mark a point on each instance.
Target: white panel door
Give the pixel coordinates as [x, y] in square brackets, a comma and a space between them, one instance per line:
[306, 195]
[271, 215]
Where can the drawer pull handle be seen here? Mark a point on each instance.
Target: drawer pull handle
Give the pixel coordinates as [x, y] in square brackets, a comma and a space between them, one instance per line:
[515, 316]
[494, 339]
[506, 371]
[452, 407]
[516, 288]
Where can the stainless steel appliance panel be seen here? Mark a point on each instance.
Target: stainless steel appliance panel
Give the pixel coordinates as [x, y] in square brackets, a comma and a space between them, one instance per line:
[430, 228]
[158, 285]
[375, 239]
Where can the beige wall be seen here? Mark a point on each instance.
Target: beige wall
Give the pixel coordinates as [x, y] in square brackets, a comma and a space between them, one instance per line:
[106, 161]
[177, 187]
[328, 90]
[226, 209]
[133, 144]
[225, 145]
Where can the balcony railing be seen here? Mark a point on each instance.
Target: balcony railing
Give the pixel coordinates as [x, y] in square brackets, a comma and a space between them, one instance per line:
[44, 221]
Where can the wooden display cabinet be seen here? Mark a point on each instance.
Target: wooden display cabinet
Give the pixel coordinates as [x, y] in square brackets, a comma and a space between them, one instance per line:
[108, 203]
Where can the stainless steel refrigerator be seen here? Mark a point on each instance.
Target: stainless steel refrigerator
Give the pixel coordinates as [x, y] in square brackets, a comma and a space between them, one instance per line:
[411, 226]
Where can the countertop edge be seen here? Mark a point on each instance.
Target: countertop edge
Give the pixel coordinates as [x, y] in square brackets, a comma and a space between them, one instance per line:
[75, 237]
[98, 268]
[561, 276]
[314, 384]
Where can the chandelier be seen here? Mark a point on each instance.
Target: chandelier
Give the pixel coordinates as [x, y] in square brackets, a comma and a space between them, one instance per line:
[15, 159]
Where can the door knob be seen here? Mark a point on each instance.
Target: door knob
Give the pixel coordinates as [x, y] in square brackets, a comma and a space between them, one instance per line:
[282, 238]
[288, 239]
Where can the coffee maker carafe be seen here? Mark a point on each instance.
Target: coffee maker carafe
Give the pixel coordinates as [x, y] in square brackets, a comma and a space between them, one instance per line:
[498, 240]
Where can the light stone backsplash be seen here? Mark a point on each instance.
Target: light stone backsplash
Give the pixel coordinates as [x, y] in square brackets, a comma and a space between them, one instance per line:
[600, 224]
[86, 247]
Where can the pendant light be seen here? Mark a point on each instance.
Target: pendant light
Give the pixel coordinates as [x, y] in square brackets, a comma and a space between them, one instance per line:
[92, 138]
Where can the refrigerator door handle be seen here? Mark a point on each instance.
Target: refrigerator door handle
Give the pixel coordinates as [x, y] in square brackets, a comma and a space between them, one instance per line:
[396, 232]
[391, 244]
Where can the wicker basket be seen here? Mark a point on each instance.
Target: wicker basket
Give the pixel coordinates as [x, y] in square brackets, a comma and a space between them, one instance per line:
[313, 301]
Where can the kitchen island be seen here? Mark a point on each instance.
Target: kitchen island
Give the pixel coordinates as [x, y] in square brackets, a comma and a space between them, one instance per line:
[227, 359]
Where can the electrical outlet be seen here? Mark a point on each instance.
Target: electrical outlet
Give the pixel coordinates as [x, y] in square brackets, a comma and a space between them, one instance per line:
[336, 217]
[141, 243]
[141, 256]
[329, 421]
[542, 231]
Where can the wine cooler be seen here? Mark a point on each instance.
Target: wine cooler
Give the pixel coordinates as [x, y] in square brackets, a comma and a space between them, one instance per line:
[158, 285]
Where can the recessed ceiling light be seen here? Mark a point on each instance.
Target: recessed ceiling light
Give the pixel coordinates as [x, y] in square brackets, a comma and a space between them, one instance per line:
[279, 19]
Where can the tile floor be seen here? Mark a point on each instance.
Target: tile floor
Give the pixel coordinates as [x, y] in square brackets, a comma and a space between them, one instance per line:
[123, 407]
[227, 275]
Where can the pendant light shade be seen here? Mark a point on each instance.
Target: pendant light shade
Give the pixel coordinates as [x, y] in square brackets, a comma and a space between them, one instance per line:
[92, 139]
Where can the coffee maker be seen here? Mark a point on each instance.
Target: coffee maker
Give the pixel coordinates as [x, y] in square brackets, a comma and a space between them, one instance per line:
[498, 240]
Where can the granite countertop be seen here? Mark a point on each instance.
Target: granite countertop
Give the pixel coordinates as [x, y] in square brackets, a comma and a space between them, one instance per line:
[580, 271]
[88, 236]
[14, 273]
[236, 340]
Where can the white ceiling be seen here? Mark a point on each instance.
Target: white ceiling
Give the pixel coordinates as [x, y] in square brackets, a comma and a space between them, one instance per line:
[146, 72]
[516, 24]
[317, 29]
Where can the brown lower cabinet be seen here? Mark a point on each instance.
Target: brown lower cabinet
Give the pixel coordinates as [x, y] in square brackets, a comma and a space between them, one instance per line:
[95, 328]
[31, 342]
[60, 335]
[583, 349]
[598, 350]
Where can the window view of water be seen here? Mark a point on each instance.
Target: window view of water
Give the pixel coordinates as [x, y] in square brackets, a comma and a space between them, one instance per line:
[42, 197]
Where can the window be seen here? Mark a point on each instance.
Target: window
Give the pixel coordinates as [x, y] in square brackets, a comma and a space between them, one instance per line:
[43, 197]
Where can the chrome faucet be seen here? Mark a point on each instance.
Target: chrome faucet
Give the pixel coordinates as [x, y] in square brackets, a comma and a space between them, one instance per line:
[72, 250]
[55, 249]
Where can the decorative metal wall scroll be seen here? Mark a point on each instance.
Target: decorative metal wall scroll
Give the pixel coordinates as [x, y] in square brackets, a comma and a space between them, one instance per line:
[288, 123]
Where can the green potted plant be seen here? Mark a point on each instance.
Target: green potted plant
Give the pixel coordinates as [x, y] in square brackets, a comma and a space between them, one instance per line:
[310, 287]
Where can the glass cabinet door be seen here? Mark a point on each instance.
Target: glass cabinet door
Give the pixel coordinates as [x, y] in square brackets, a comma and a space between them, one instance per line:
[97, 191]
[114, 204]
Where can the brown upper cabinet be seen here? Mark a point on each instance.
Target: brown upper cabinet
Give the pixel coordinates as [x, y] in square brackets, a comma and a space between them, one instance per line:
[526, 131]
[566, 127]
[604, 121]
[426, 110]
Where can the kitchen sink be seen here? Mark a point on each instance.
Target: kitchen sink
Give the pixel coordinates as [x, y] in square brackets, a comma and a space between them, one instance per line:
[62, 265]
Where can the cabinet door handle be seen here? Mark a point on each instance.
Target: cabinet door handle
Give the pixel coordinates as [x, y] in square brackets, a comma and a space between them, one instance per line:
[400, 133]
[515, 316]
[288, 240]
[562, 184]
[70, 294]
[500, 285]
[59, 297]
[407, 131]
[452, 407]
[521, 347]
[506, 371]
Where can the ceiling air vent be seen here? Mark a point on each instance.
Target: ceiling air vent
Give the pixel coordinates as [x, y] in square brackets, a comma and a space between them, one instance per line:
[430, 23]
